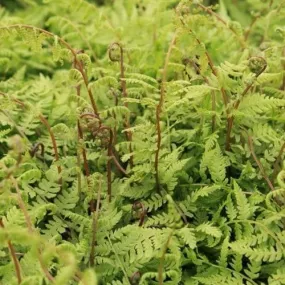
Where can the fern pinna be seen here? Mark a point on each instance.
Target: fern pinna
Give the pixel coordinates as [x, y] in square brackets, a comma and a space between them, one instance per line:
[142, 142]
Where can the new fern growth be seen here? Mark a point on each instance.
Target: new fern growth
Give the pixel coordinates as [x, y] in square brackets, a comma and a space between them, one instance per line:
[142, 142]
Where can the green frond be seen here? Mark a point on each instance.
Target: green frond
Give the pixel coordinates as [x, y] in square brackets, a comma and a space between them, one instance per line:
[169, 173]
[216, 163]
[209, 229]
[204, 192]
[160, 185]
[253, 269]
[30, 176]
[223, 260]
[256, 104]
[66, 200]
[54, 227]
[236, 263]
[278, 278]
[142, 77]
[4, 133]
[75, 77]
[264, 133]
[154, 202]
[270, 78]
[117, 111]
[188, 237]
[257, 254]
[230, 208]
[88, 276]
[243, 206]
[144, 84]
[108, 81]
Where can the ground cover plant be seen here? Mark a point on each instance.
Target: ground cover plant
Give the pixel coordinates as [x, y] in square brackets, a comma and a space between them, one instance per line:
[142, 142]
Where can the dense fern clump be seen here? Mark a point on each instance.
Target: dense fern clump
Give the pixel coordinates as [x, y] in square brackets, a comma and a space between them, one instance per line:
[142, 142]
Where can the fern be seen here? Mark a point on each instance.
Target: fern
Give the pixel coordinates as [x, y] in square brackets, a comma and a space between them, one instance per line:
[208, 229]
[216, 163]
[142, 142]
[243, 206]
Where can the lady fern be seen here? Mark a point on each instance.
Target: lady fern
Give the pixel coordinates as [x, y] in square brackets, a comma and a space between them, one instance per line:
[142, 142]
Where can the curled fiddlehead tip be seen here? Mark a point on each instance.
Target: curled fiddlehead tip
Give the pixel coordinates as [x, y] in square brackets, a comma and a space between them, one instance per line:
[257, 65]
[35, 149]
[182, 9]
[89, 115]
[134, 279]
[281, 178]
[112, 51]
[79, 51]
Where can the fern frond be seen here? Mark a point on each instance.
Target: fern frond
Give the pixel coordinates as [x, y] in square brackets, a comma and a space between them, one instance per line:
[209, 229]
[243, 206]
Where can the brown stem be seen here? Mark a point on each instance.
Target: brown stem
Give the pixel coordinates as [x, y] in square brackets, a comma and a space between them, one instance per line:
[44, 269]
[79, 182]
[213, 110]
[246, 35]
[53, 141]
[237, 103]
[140, 205]
[116, 101]
[161, 264]
[36, 147]
[124, 91]
[214, 72]
[46, 123]
[110, 151]
[109, 177]
[212, 13]
[94, 224]
[84, 153]
[210, 61]
[198, 71]
[30, 226]
[83, 38]
[85, 163]
[21, 133]
[109, 170]
[277, 162]
[117, 164]
[122, 68]
[14, 257]
[159, 110]
[74, 53]
[13, 99]
[261, 168]
[80, 136]
[89, 91]
[283, 82]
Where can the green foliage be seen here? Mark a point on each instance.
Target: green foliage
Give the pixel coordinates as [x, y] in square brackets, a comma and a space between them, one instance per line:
[142, 142]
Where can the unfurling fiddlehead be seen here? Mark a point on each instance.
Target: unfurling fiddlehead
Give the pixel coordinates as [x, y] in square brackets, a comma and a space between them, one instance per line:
[98, 130]
[257, 65]
[124, 89]
[38, 146]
